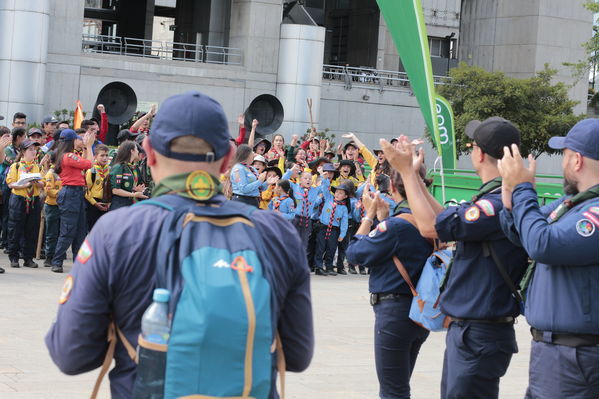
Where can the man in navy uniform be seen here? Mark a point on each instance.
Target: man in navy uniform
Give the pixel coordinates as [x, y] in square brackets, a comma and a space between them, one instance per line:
[481, 338]
[562, 303]
[113, 276]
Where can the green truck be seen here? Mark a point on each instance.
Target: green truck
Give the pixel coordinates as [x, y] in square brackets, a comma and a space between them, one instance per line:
[459, 185]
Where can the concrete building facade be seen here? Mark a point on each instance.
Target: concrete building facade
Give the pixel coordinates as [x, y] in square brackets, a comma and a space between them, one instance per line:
[372, 97]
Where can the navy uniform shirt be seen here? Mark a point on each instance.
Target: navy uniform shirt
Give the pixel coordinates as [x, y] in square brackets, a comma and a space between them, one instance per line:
[563, 295]
[474, 288]
[392, 237]
[113, 276]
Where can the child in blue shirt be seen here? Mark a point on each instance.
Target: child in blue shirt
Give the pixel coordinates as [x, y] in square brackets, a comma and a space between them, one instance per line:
[284, 201]
[332, 225]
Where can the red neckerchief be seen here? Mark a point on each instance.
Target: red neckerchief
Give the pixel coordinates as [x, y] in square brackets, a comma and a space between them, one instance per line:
[332, 219]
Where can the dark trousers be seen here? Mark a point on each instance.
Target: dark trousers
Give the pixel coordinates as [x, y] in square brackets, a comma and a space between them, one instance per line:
[303, 225]
[325, 247]
[6, 194]
[558, 371]
[93, 214]
[52, 214]
[119, 202]
[342, 247]
[73, 226]
[397, 341]
[23, 225]
[476, 356]
[253, 201]
[311, 249]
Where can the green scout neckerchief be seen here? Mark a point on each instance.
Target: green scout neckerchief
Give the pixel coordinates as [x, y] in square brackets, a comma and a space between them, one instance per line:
[486, 188]
[197, 185]
[560, 211]
[403, 204]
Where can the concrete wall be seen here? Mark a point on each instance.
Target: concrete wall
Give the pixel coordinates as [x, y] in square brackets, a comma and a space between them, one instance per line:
[519, 37]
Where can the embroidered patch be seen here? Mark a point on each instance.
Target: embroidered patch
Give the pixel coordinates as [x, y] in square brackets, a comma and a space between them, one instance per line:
[592, 218]
[382, 227]
[240, 263]
[67, 287]
[237, 176]
[594, 209]
[487, 207]
[200, 186]
[585, 227]
[372, 233]
[85, 252]
[472, 214]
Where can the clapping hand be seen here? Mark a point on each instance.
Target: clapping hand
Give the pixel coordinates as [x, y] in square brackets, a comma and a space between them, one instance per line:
[400, 156]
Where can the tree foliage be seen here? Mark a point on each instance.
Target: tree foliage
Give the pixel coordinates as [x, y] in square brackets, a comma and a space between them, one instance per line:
[581, 68]
[537, 107]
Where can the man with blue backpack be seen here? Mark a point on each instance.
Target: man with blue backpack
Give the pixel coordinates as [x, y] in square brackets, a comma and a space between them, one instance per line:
[477, 296]
[239, 304]
[562, 305]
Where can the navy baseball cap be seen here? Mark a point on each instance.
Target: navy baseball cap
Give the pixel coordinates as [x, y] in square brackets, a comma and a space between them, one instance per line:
[49, 119]
[28, 143]
[582, 138]
[191, 114]
[68, 134]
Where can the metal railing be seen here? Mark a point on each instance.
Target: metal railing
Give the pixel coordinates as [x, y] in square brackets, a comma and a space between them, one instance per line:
[368, 78]
[159, 49]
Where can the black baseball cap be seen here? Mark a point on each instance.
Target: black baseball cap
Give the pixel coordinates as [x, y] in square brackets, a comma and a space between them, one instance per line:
[191, 114]
[34, 130]
[492, 134]
[28, 143]
[125, 135]
[1, 118]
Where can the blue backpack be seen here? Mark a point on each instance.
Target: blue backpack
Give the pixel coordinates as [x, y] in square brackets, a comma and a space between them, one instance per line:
[212, 260]
[424, 310]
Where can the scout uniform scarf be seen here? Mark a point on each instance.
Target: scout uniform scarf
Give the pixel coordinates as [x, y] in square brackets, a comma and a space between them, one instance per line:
[197, 185]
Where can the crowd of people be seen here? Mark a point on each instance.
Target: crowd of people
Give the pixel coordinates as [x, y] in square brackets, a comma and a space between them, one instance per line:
[354, 211]
[56, 182]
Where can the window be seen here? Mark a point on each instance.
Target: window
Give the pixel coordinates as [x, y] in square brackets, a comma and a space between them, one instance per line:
[435, 45]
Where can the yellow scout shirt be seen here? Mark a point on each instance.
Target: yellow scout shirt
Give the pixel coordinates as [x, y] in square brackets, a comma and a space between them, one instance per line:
[95, 187]
[14, 174]
[53, 186]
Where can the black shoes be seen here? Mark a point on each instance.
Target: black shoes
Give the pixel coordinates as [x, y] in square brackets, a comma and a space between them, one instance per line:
[320, 272]
[14, 263]
[341, 271]
[352, 270]
[30, 263]
[57, 268]
[48, 263]
[331, 272]
[363, 271]
[1, 270]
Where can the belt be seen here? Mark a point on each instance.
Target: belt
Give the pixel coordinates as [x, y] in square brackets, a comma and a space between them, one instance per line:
[565, 339]
[245, 196]
[379, 297]
[496, 320]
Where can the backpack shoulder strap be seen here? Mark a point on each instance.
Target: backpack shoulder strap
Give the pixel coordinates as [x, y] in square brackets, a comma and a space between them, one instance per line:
[406, 276]
[489, 250]
[114, 334]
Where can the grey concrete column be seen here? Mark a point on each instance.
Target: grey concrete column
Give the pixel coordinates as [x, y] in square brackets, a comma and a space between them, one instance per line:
[23, 54]
[301, 51]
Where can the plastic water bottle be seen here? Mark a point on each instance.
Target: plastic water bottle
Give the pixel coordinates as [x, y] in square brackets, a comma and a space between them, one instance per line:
[155, 329]
[155, 324]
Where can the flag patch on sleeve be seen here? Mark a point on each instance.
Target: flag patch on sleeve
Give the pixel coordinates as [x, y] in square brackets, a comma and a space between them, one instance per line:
[85, 252]
[487, 207]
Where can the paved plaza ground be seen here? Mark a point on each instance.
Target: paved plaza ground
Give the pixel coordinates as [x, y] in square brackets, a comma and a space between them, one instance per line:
[342, 368]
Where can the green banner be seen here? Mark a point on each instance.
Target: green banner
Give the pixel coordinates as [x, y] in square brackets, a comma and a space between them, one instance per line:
[405, 21]
[446, 133]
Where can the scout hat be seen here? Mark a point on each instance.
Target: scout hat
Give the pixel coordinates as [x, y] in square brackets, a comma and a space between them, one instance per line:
[266, 144]
[346, 186]
[347, 162]
[191, 114]
[492, 134]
